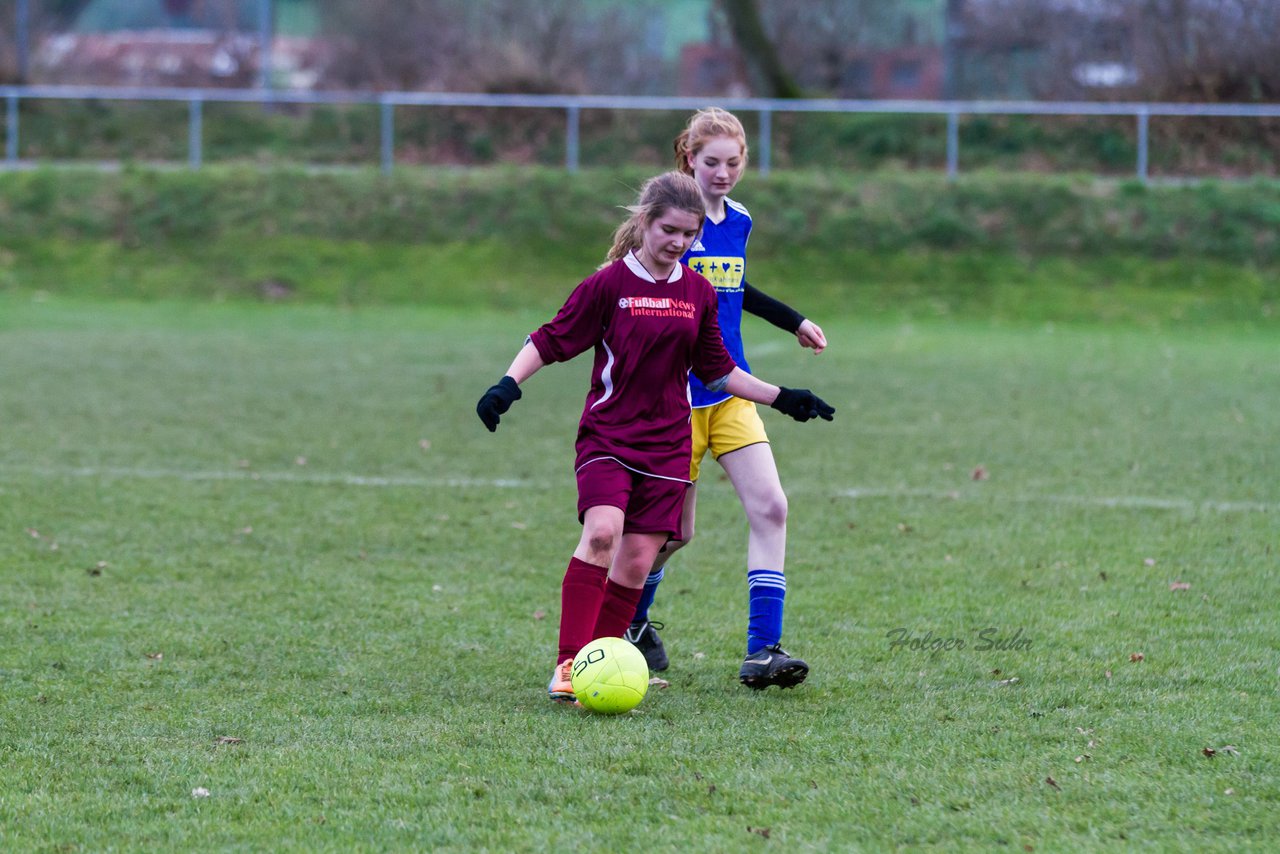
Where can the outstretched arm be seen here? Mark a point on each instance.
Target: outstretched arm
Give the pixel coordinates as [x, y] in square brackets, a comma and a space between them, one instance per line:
[526, 363]
[783, 316]
[799, 403]
[498, 399]
[741, 384]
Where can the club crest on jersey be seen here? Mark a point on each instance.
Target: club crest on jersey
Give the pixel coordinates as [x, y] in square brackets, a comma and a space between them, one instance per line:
[656, 307]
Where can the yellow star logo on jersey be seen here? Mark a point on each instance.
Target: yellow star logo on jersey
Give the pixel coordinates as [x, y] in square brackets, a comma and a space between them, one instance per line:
[725, 273]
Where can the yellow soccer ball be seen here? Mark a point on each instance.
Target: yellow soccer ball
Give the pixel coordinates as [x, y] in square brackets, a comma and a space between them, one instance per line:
[610, 676]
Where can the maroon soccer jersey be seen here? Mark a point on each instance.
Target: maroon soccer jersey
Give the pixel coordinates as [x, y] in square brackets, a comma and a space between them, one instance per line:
[647, 336]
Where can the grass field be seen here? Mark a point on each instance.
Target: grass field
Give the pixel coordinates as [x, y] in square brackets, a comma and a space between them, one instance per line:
[269, 552]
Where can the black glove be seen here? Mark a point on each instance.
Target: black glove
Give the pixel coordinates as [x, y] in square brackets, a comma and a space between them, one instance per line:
[802, 404]
[497, 400]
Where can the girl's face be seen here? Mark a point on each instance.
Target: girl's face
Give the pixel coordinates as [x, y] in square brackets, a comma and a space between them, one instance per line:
[717, 166]
[666, 239]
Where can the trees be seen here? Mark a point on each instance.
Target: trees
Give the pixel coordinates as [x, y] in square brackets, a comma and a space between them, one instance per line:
[486, 45]
[22, 22]
[817, 45]
[771, 79]
[1211, 50]
[1178, 50]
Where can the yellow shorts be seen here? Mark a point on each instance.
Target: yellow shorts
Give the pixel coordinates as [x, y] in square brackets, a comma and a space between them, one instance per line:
[724, 427]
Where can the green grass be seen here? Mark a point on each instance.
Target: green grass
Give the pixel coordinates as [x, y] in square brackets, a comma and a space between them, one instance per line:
[898, 245]
[489, 274]
[812, 210]
[223, 521]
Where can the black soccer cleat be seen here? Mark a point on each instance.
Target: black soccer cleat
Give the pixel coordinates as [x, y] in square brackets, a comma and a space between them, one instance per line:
[772, 666]
[643, 634]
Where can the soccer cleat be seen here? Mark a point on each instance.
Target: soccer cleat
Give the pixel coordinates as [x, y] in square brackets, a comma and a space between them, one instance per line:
[560, 688]
[772, 666]
[643, 634]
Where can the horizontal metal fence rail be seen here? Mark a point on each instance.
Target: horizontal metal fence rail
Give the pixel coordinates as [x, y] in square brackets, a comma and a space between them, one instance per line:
[573, 105]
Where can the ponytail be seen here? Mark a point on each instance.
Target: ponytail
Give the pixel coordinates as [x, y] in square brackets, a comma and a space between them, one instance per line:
[626, 238]
[683, 152]
[662, 193]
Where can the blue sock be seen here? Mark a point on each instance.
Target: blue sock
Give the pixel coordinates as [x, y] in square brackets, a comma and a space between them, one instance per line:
[767, 590]
[646, 598]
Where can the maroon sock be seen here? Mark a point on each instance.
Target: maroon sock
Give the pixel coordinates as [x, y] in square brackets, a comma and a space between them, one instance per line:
[580, 596]
[617, 609]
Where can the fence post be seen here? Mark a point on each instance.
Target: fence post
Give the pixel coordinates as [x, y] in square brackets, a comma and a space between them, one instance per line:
[571, 152]
[953, 145]
[195, 132]
[11, 121]
[766, 140]
[388, 136]
[266, 19]
[22, 24]
[1143, 118]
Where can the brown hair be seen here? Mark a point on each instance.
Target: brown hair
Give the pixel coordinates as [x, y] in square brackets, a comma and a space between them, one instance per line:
[662, 193]
[705, 125]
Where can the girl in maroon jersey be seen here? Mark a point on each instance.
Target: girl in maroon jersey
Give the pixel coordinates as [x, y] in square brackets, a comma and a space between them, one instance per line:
[651, 321]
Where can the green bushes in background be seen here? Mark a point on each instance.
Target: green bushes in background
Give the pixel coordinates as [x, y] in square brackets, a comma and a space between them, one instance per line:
[1018, 247]
[286, 134]
[812, 210]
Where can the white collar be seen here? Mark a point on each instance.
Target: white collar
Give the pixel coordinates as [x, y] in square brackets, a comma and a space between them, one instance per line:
[633, 263]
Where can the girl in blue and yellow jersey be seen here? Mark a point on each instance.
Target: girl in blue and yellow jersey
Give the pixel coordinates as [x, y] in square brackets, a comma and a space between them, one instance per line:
[713, 149]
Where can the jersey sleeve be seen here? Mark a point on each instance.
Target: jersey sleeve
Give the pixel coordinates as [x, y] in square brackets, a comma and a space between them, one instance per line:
[577, 327]
[711, 361]
[775, 311]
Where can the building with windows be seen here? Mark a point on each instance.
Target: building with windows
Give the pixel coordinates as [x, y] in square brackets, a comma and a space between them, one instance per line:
[183, 43]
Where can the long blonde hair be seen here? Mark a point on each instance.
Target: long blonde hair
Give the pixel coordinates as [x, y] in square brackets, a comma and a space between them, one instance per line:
[703, 126]
[661, 193]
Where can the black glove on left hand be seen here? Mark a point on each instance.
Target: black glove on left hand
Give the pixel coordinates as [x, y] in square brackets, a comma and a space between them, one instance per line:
[497, 400]
[802, 404]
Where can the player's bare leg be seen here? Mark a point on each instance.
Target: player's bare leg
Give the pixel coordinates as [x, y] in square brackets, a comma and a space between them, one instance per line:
[754, 475]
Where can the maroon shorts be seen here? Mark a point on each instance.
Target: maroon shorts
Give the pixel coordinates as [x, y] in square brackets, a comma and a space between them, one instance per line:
[650, 505]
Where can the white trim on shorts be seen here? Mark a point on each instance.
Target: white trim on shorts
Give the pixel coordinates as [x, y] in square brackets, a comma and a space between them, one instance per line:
[630, 468]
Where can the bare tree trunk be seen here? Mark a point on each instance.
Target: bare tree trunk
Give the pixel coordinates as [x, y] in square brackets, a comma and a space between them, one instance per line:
[757, 49]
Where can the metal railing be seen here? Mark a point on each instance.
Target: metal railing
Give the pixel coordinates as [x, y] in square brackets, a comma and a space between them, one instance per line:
[573, 105]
